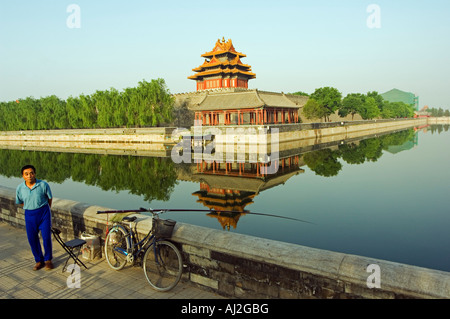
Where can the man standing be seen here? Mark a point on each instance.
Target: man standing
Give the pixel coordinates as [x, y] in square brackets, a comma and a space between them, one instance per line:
[36, 198]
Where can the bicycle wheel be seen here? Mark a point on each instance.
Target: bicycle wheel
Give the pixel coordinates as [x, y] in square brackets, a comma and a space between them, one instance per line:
[163, 265]
[116, 248]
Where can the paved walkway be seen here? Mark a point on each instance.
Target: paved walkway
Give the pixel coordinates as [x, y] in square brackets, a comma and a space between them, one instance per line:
[99, 281]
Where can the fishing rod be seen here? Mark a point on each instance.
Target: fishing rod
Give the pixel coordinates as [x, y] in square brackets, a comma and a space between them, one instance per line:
[198, 210]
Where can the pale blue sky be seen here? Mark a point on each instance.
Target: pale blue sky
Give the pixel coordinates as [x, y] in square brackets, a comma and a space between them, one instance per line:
[291, 45]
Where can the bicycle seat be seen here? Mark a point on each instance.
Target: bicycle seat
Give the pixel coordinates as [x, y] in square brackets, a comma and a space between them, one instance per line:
[129, 219]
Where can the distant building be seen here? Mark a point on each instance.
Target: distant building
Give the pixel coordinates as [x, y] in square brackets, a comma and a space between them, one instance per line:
[248, 107]
[396, 95]
[422, 113]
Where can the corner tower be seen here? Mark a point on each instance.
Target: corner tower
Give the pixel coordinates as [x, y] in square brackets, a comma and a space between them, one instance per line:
[222, 68]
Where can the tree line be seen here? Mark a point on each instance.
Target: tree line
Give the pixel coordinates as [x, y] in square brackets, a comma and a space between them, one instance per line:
[327, 100]
[148, 104]
[438, 112]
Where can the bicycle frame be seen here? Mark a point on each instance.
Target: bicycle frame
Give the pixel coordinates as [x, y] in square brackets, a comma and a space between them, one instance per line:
[137, 247]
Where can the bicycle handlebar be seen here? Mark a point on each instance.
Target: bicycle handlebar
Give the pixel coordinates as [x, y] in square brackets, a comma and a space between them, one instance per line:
[154, 212]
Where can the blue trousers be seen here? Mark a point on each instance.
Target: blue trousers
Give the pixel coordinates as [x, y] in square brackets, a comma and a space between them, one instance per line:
[39, 220]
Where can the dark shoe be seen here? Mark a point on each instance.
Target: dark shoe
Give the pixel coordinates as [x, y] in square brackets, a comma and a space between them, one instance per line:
[38, 266]
[48, 265]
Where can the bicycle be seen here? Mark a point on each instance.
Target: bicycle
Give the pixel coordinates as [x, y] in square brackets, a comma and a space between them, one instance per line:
[161, 259]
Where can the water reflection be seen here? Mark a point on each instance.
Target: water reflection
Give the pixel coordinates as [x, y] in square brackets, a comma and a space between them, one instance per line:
[226, 187]
[151, 177]
[233, 186]
[326, 162]
[222, 186]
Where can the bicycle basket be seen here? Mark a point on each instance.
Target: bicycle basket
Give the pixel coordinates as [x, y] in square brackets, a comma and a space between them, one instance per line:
[163, 228]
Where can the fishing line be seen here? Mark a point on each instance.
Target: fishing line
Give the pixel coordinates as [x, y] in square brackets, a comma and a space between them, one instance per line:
[202, 210]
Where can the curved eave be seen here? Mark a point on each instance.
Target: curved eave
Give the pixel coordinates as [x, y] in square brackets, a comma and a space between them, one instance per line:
[213, 53]
[209, 73]
[226, 63]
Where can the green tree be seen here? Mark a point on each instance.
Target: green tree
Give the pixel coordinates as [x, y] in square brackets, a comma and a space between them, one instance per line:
[388, 111]
[407, 110]
[313, 110]
[329, 98]
[149, 104]
[60, 113]
[45, 116]
[8, 116]
[131, 102]
[52, 114]
[26, 114]
[300, 93]
[103, 107]
[397, 110]
[119, 107]
[73, 106]
[369, 109]
[2, 116]
[351, 104]
[88, 111]
[378, 99]
[109, 108]
[159, 100]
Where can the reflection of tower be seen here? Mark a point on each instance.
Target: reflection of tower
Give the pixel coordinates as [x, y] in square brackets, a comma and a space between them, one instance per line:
[228, 188]
[223, 201]
[255, 170]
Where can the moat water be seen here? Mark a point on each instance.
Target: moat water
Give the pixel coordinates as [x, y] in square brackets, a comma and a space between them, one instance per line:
[384, 197]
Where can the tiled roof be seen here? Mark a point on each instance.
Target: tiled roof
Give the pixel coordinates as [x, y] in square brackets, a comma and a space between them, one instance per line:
[247, 99]
[228, 65]
[226, 71]
[223, 47]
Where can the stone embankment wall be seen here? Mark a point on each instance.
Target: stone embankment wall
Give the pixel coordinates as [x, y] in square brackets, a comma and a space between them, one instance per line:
[438, 120]
[307, 133]
[155, 141]
[129, 135]
[241, 266]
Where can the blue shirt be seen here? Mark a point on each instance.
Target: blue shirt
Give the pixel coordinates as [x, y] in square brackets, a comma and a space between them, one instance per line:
[33, 198]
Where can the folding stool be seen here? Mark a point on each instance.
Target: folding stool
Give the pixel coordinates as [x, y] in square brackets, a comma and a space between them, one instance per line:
[70, 247]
